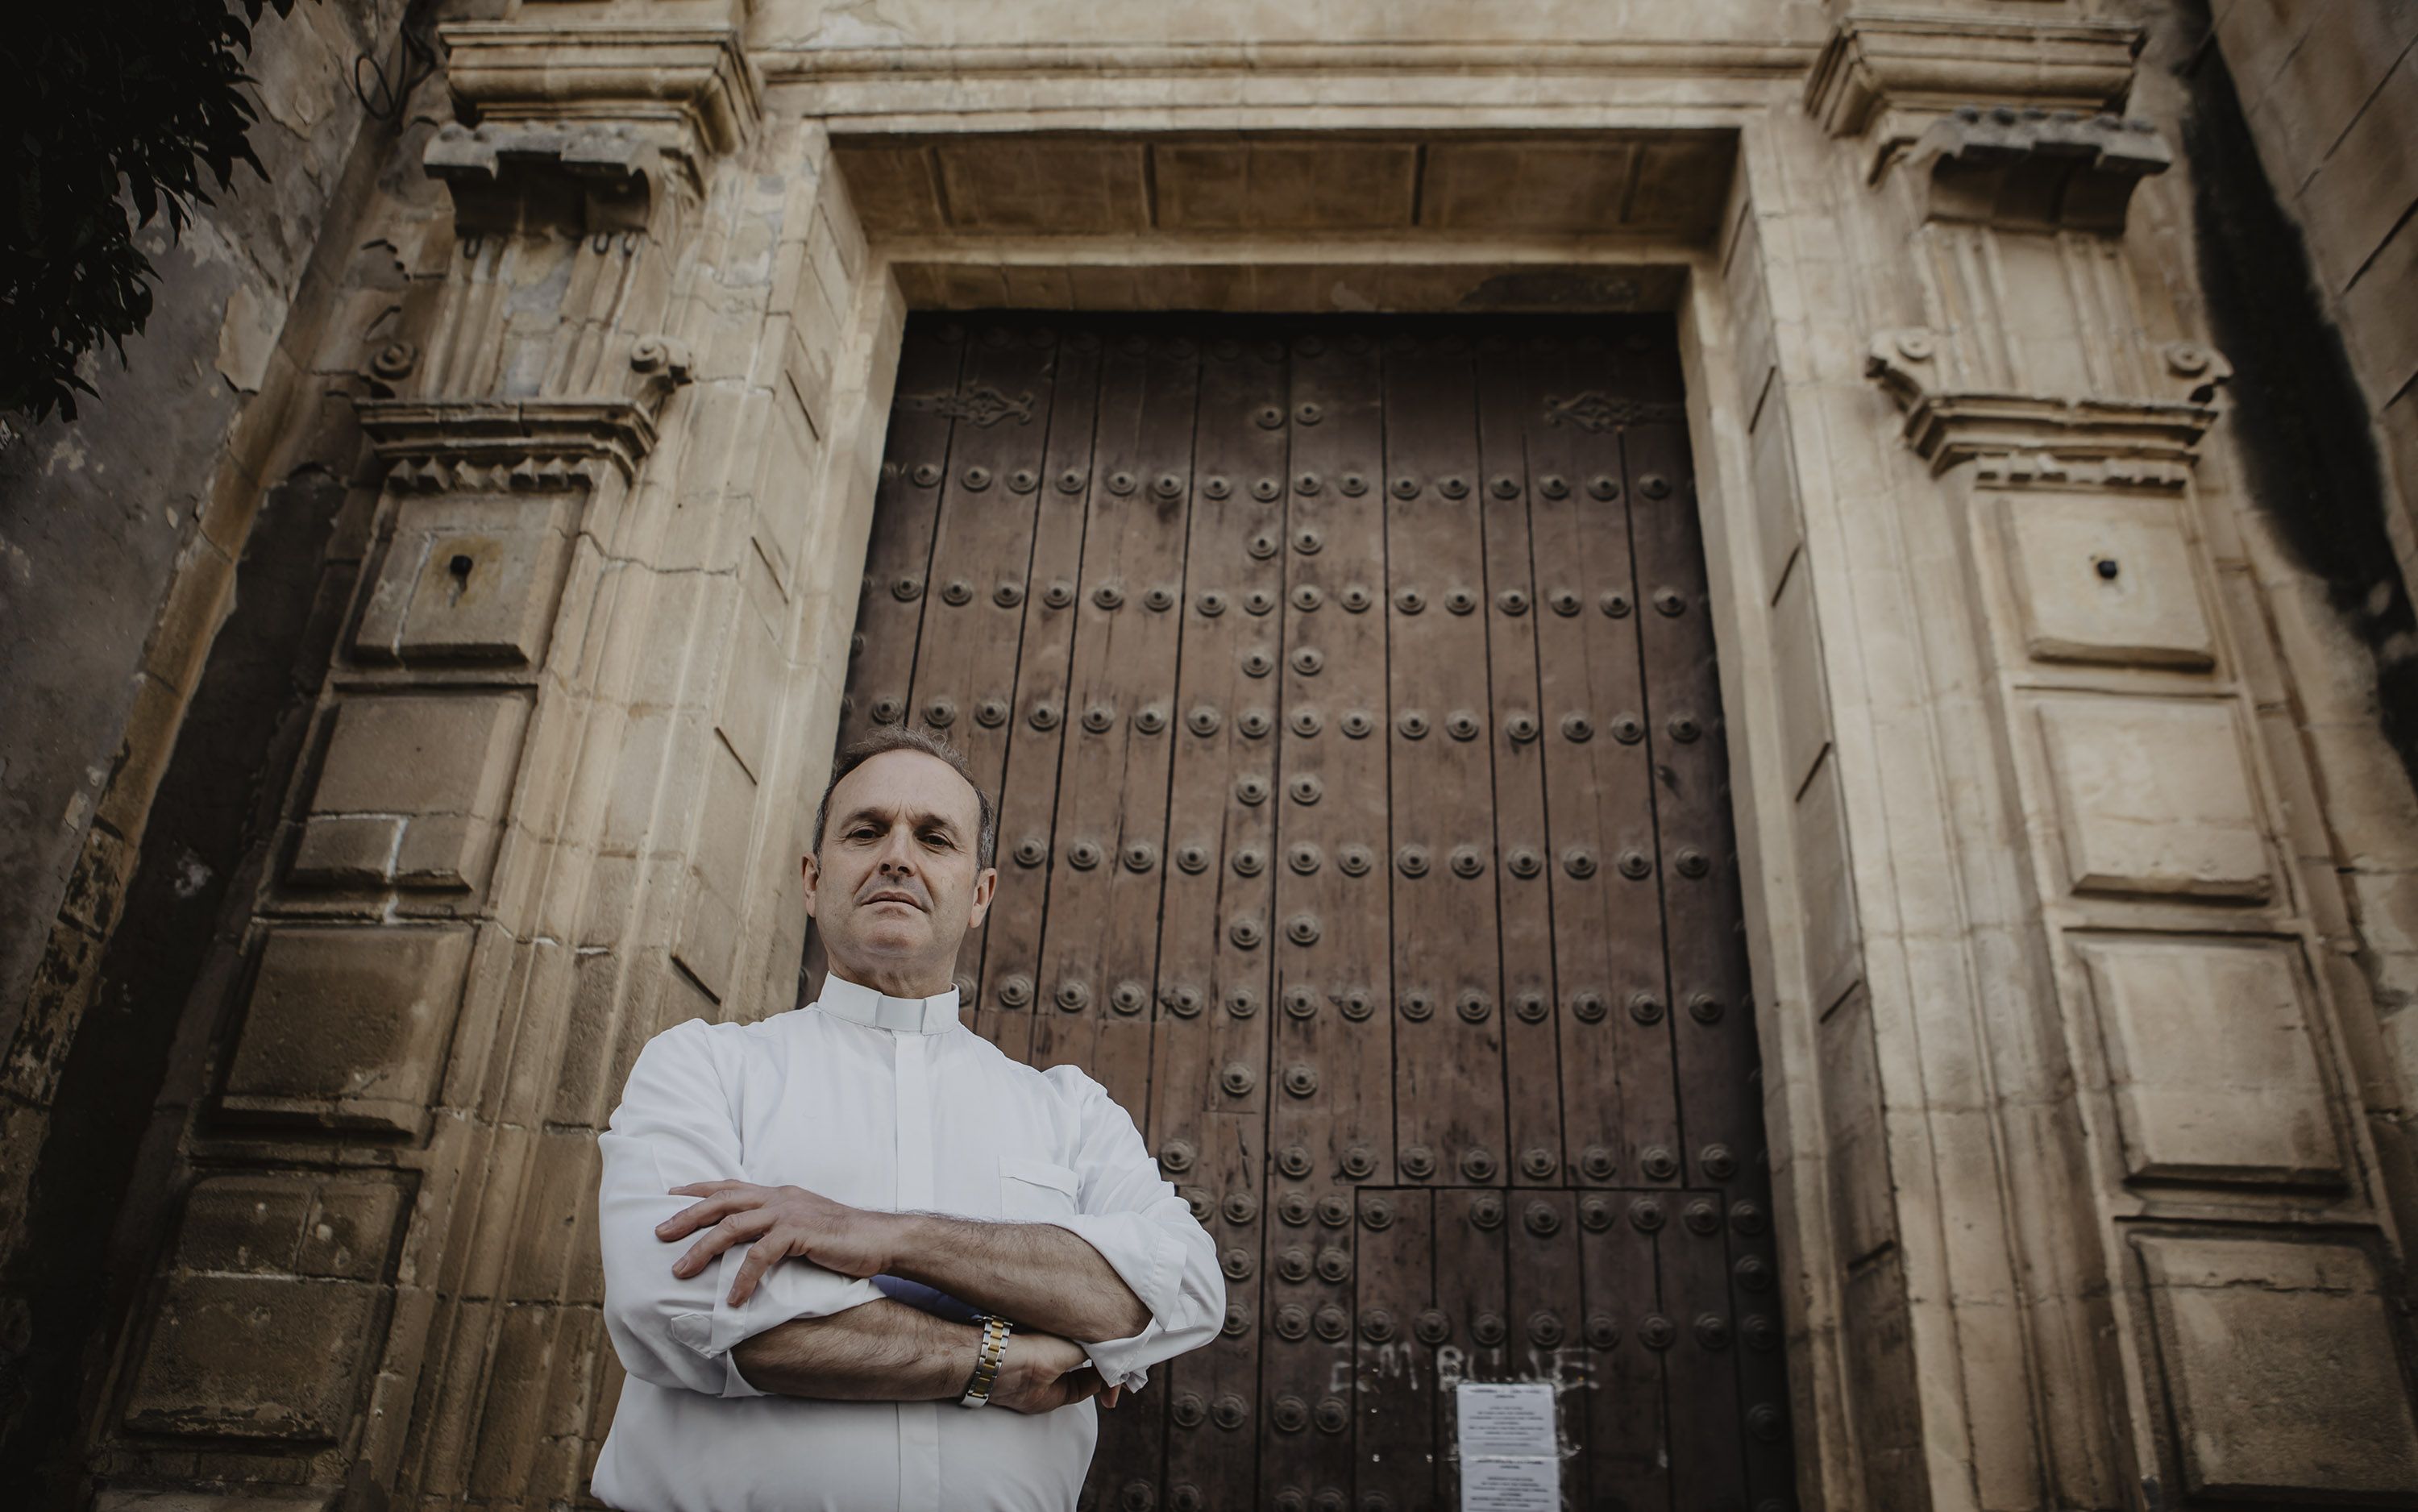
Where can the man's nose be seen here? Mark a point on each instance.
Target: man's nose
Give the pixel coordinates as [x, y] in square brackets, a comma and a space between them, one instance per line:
[897, 856]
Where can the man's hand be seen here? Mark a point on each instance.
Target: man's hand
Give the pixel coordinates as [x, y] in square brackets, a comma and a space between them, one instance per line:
[1044, 1372]
[781, 1221]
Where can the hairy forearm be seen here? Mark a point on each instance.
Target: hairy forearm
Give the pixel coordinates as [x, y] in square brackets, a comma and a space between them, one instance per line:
[1036, 1274]
[882, 1350]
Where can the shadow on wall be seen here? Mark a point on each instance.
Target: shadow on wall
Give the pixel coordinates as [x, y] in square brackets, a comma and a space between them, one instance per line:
[2299, 414]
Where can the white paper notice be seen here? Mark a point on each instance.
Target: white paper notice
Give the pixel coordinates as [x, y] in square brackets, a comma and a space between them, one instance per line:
[1505, 1419]
[1511, 1486]
[1509, 1461]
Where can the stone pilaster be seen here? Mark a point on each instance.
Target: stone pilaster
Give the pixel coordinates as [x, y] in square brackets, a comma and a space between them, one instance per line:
[532, 829]
[2190, 1063]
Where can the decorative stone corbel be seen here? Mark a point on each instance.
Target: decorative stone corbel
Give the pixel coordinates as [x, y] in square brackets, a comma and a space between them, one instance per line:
[489, 169]
[1891, 73]
[528, 445]
[2143, 440]
[2034, 169]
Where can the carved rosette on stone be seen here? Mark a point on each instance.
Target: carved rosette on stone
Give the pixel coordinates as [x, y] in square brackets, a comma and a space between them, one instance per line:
[362, 1166]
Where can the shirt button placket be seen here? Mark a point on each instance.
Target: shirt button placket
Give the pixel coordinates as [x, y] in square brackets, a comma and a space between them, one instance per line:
[919, 1422]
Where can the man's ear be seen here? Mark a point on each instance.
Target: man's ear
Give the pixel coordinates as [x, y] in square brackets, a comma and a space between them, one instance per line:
[808, 872]
[985, 886]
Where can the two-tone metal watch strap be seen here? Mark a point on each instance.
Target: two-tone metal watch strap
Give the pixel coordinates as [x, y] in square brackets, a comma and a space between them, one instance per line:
[987, 1363]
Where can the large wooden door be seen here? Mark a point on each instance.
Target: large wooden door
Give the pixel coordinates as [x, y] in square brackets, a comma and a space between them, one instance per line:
[1350, 693]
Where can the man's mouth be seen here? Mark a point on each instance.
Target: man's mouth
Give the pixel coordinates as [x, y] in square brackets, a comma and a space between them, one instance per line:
[892, 897]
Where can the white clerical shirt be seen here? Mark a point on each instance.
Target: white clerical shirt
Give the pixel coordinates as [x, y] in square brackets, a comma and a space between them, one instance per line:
[882, 1103]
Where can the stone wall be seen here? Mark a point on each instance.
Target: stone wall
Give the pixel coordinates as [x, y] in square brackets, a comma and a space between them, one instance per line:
[2329, 94]
[2067, 814]
[120, 538]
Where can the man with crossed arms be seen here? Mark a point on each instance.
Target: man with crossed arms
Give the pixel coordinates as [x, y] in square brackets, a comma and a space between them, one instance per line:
[828, 1236]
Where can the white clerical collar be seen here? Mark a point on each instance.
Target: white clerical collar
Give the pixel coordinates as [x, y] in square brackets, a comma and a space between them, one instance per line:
[858, 1003]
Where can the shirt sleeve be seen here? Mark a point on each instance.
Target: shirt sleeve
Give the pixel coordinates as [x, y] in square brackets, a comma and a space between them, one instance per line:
[1133, 1216]
[674, 1126]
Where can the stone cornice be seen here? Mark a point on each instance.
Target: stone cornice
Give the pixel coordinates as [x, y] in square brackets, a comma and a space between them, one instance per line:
[814, 65]
[425, 442]
[694, 85]
[1892, 72]
[521, 444]
[2142, 439]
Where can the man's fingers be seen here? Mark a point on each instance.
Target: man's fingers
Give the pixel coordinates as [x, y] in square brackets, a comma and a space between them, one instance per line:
[1113, 1393]
[706, 1189]
[719, 1238]
[742, 1197]
[761, 1258]
[1080, 1383]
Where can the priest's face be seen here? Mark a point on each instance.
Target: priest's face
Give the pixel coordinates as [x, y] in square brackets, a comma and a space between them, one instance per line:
[896, 884]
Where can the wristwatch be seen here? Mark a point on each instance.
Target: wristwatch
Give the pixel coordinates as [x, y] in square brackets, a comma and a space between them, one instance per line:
[987, 1361]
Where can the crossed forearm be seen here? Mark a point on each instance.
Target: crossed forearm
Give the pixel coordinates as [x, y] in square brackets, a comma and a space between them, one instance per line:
[1037, 1275]
[879, 1350]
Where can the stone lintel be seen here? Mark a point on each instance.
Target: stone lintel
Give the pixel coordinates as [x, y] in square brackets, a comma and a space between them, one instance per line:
[695, 80]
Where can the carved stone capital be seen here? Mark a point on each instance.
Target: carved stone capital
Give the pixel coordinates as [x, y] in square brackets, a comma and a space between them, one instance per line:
[2035, 169]
[1892, 73]
[2144, 440]
[689, 89]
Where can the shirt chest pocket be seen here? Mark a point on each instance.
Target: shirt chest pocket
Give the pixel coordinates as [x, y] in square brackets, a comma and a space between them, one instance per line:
[1037, 1189]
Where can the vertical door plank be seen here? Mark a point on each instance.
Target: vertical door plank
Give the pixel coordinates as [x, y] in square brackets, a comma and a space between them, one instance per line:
[1763, 1372]
[1617, 1099]
[1394, 1396]
[1548, 1341]
[1210, 1078]
[1713, 1062]
[1332, 921]
[981, 548]
[897, 561]
[1309, 1357]
[1470, 1324]
[1531, 1057]
[1027, 800]
[1712, 1022]
[898, 565]
[1627, 1335]
[1331, 1054]
[1448, 1040]
[1099, 952]
[1708, 1443]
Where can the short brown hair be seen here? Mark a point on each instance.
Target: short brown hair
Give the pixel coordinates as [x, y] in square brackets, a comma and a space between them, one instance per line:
[902, 738]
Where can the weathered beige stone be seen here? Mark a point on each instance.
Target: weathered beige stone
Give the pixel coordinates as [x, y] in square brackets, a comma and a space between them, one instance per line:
[1834, 957]
[2281, 1359]
[2154, 797]
[467, 579]
[425, 777]
[255, 1357]
[2106, 578]
[344, 1027]
[2212, 1060]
